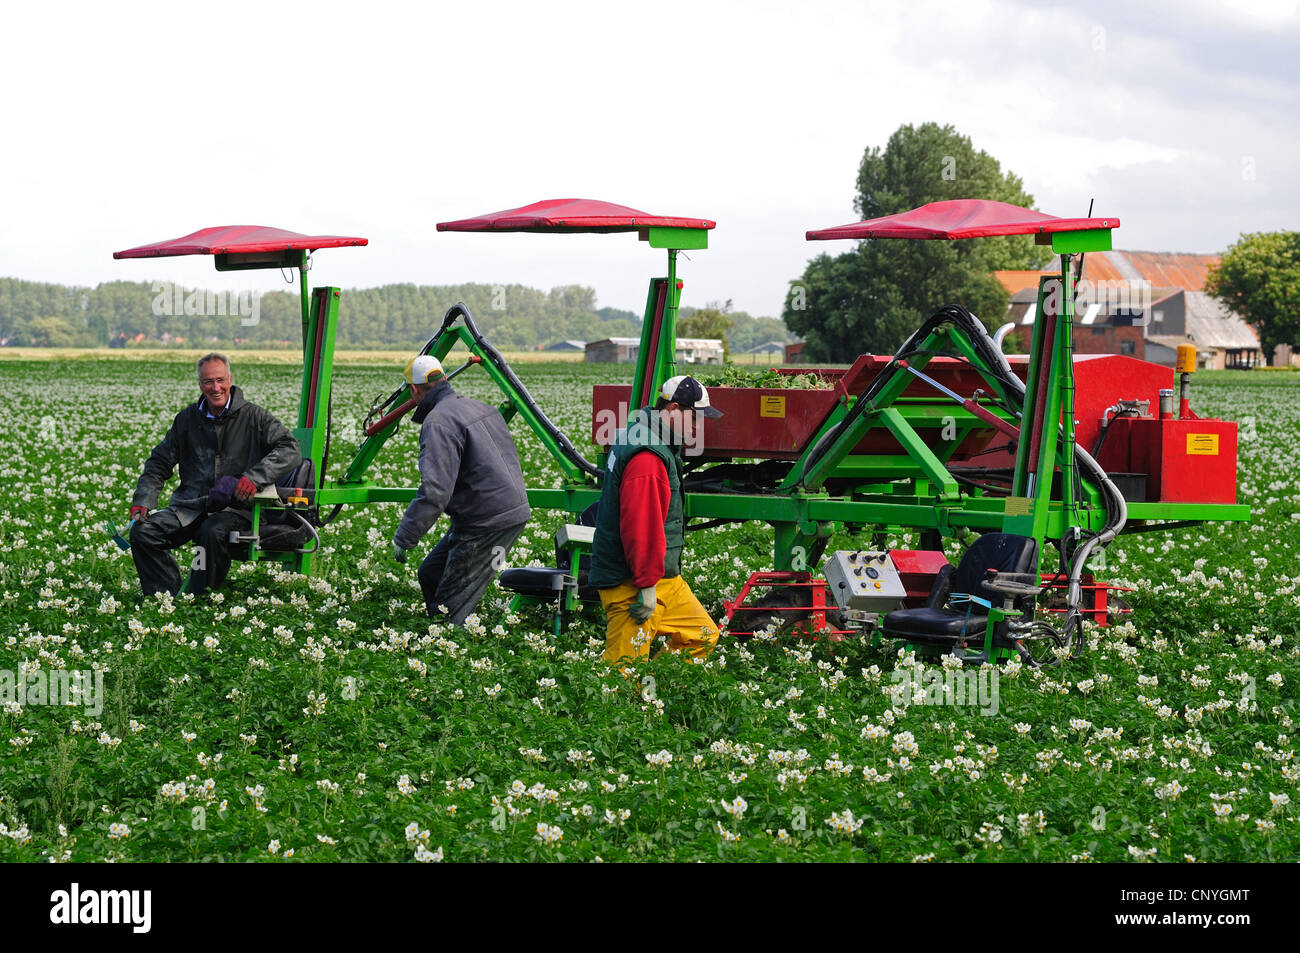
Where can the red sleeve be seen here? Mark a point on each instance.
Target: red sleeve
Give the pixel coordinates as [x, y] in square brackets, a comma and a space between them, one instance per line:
[643, 508]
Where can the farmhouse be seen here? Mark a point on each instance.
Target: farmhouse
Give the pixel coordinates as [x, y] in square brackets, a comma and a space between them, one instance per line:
[1144, 304]
[624, 351]
[613, 351]
[699, 350]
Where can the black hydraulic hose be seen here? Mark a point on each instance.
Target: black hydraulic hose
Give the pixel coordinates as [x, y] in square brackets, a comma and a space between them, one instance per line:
[1101, 436]
[459, 310]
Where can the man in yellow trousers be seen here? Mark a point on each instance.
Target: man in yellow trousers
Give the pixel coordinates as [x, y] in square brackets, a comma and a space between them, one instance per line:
[636, 554]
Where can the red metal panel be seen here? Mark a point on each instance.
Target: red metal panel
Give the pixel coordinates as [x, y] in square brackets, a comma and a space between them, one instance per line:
[770, 423]
[1187, 461]
[237, 239]
[917, 569]
[777, 423]
[1102, 379]
[962, 218]
[571, 215]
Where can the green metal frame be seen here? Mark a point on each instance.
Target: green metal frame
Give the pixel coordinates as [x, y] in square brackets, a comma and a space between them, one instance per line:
[908, 490]
[320, 316]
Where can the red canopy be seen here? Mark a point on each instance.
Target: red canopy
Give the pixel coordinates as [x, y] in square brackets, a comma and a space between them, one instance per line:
[962, 218]
[236, 239]
[571, 215]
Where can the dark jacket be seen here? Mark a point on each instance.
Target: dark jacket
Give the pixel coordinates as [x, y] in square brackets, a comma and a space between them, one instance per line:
[468, 468]
[245, 441]
[609, 562]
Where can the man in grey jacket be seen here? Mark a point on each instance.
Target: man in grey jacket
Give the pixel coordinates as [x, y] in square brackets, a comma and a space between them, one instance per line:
[470, 470]
[227, 450]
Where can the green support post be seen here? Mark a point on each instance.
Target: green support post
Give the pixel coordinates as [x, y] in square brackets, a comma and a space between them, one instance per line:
[666, 358]
[1031, 489]
[656, 359]
[317, 384]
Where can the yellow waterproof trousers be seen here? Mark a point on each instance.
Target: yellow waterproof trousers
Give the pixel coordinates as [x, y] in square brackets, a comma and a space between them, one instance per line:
[678, 615]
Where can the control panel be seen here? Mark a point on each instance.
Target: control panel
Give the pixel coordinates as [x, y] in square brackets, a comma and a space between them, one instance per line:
[865, 580]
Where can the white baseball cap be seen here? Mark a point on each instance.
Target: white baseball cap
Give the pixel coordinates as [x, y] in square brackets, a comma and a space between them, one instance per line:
[424, 369]
[688, 393]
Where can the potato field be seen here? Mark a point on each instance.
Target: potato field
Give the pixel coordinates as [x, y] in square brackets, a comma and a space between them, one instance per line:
[296, 719]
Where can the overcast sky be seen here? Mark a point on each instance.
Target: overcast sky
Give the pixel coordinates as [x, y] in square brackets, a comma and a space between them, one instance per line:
[127, 123]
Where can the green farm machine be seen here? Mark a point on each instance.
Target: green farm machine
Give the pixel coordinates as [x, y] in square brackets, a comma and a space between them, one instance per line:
[1037, 461]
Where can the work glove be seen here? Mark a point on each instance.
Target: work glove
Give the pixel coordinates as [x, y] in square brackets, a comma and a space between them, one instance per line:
[140, 513]
[644, 606]
[399, 553]
[221, 492]
[244, 490]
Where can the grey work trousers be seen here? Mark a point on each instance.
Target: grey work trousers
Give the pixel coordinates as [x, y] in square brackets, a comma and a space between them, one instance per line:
[153, 538]
[460, 567]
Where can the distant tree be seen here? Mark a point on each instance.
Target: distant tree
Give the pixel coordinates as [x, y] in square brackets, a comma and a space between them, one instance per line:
[1258, 277]
[618, 314]
[711, 321]
[51, 332]
[870, 299]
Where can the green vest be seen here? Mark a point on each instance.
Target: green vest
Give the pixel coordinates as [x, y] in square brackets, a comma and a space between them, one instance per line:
[609, 566]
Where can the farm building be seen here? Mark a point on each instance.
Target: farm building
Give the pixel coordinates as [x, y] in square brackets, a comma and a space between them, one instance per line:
[1159, 305]
[1223, 340]
[699, 351]
[613, 351]
[567, 346]
[624, 351]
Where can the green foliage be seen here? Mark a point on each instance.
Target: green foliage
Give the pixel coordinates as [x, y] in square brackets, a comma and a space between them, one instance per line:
[868, 300]
[742, 333]
[747, 332]
[711, 321]
[1258, 277]
[52, 332]
[513, 317]
[737, 375]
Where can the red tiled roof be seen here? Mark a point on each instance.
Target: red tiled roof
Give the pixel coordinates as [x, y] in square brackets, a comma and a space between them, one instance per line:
[1015, 281]
[1162, 269]
[1172, 271]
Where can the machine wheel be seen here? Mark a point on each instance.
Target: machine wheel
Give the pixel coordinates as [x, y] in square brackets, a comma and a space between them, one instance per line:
[1038, 646]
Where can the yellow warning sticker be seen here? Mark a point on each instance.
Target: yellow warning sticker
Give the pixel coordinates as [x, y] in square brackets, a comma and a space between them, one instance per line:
[1019, 506]
[1206, 444]
[771, 405]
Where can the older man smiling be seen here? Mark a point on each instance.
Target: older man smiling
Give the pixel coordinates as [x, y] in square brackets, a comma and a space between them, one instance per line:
[227, 449]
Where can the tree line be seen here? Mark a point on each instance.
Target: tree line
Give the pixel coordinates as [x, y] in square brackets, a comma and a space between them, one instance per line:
[145, 314]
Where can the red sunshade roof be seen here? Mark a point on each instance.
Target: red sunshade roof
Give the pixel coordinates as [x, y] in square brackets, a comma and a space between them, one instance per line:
[235, 239]
[962, 218]
[571, 215]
